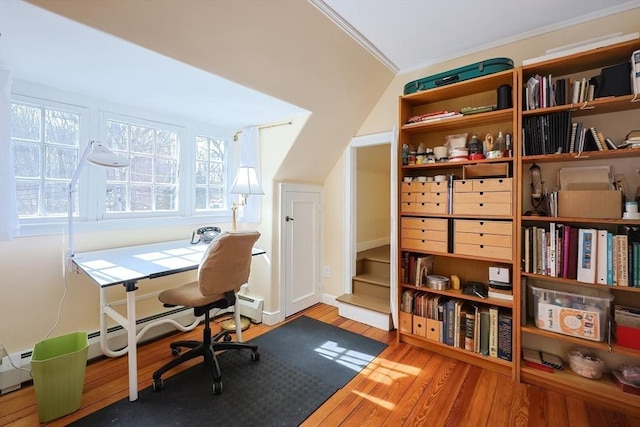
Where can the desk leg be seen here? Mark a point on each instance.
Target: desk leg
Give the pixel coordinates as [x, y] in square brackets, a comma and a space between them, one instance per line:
[131, 340]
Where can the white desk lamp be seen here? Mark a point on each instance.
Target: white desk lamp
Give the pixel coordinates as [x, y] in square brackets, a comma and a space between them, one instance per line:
[246, 184]
[97, 154]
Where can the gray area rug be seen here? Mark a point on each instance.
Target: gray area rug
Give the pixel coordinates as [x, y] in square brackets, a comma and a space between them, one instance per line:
[302, 364]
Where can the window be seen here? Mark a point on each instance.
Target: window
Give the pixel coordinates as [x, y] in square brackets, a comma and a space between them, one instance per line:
[150, 183]
[178, 169]
[45, 148]
[210, 173]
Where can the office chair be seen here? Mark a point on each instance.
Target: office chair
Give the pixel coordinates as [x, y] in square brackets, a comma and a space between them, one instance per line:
[224, 268]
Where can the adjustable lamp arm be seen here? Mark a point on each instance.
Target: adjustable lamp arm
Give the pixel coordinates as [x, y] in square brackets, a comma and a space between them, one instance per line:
[71, 187]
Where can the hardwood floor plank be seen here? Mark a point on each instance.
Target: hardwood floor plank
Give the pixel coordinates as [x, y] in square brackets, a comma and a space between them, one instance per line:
[347, 399]
[435, 404]
[462, 412]
[405, 385]
[395, 379]
[510, 404]
[576, 412]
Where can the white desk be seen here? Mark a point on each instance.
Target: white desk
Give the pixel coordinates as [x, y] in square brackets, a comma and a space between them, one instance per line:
[126, 266]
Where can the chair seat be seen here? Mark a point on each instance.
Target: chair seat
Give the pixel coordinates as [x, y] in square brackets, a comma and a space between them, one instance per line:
[188, 296]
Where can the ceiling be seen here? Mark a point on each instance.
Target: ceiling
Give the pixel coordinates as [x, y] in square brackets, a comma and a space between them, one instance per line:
[44, 48]
[412, 34]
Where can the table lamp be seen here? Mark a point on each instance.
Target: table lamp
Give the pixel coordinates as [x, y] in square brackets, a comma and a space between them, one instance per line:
[97, 154]
[246, 184]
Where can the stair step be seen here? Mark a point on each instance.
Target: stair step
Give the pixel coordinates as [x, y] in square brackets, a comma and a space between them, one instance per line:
[365, 301]
[380, 254]
[375, 261]
[373, 279]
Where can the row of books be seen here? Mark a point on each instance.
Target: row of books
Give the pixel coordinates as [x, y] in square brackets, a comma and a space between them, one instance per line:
[545, 91]
[556, 133]
[485, 330]
[414, 268]
[585, 254]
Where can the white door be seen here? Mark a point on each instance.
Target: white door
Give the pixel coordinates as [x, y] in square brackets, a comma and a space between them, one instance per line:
[301, 246]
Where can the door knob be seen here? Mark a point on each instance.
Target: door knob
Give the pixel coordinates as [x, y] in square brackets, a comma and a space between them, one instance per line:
[288, 218]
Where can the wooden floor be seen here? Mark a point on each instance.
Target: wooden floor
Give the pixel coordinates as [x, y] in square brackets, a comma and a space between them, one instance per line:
[404, 386]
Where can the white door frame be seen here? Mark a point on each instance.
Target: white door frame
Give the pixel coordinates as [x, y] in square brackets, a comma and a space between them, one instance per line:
[303, 188]
[349, 231]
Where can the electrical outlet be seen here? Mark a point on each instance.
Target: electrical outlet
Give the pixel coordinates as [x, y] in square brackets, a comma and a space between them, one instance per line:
[326, 273]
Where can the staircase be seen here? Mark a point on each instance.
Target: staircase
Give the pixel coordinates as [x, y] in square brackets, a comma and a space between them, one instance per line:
[369, 301]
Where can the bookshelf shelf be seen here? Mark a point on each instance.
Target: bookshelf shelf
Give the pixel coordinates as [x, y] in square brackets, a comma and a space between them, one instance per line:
[565, 382]
[457, 293]
[575, 282]
[585, 155]
[574, 220]
[456, 122]
[454, 165]
[457, 256]
[612, 104]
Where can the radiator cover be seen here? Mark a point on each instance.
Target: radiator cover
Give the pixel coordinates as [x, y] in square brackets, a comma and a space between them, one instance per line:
[251, 307]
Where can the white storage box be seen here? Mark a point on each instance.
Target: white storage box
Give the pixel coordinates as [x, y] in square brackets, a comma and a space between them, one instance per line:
[572, 314]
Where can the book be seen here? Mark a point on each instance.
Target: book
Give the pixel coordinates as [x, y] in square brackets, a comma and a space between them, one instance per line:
[505, 330]
[484, 331]
[533, 359]
[493, 331]
[587, 241]
[424, 267]
[621, 248]
[601, 258]
[624, 384]
[504, 294]
[572, 271]
[635, 71]
[469, 329]
[551, 360]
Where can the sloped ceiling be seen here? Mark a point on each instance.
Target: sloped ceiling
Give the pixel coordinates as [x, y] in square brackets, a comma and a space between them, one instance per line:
[286, 50]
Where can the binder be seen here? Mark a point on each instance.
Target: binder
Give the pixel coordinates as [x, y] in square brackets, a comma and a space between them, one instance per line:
[601, 257]
[587, 241]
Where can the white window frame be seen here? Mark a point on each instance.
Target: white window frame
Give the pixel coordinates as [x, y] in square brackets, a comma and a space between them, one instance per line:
[93, 179]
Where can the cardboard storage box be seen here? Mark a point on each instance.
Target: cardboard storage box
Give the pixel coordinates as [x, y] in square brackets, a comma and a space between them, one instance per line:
[590, 204]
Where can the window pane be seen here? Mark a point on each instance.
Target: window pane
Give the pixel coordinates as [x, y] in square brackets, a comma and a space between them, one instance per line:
[210, 173]
[167, 144]
[61, 127]
[45, 150]
[141, 198]
[202, 148]
[166, 171]
[26, 122]
[142, 139]
[116, 200]
[216, 198]
[165, 198]
[201, 198]
[117, 136]
[60, 163]
[216, 175]
[28, 196]
[201, 173]
[56, 198]
[26, 159]
[141, 169]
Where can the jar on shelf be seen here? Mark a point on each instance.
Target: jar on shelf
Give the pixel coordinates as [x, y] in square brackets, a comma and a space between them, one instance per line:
[430, 157]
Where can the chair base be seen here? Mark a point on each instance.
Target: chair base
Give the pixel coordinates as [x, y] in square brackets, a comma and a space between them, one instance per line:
[206, 348]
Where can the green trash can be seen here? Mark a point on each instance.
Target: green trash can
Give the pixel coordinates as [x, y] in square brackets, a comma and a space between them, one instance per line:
[57, 367]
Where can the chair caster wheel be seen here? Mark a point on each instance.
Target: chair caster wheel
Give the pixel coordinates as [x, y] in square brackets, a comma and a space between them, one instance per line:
[255, 356]
[217, 387]
[175, 351]
[158, 384]
[226, 338]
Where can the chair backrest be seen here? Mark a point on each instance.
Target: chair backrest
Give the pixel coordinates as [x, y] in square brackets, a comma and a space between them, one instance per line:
[226, 263]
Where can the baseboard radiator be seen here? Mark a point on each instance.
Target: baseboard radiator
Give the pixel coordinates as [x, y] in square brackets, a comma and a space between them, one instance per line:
[12, 379]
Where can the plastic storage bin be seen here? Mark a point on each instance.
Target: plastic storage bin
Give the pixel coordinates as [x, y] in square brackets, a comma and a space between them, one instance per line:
[577, 315]
[58, 366]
